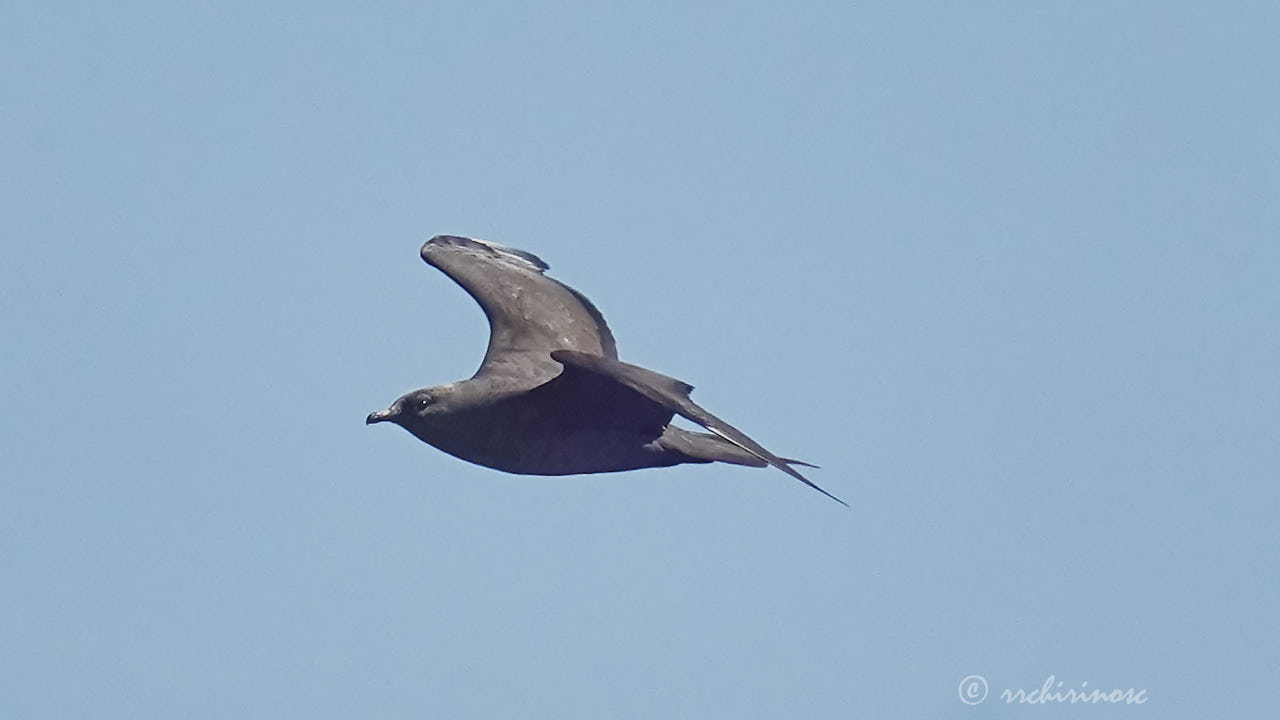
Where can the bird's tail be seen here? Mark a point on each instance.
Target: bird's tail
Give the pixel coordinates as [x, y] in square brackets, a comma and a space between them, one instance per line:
[705, 447]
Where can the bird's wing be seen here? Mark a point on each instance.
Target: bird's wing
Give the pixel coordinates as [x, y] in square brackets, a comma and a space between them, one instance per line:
[529, 313]
[673, 396]
[583, 398]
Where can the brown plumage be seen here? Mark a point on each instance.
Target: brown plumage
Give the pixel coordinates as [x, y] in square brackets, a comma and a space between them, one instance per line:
[551, 396]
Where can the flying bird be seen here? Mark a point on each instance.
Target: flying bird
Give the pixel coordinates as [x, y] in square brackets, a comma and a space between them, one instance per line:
[551, 396]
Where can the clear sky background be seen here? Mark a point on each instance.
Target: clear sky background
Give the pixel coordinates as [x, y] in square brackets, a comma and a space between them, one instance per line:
[1008, 272]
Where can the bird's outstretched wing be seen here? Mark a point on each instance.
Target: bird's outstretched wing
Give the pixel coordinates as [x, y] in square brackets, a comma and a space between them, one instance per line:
[529, 313]
[673, 397]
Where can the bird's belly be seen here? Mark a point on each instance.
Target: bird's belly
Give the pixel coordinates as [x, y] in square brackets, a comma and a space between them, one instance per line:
[527, 444]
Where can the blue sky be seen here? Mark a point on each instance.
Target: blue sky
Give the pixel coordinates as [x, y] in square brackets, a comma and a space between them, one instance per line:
[1008, 272]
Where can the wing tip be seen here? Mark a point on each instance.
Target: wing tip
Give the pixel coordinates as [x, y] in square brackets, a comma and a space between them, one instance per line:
[514, 256]
[783, 464]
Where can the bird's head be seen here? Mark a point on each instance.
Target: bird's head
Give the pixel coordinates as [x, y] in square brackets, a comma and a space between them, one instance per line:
[408, 408]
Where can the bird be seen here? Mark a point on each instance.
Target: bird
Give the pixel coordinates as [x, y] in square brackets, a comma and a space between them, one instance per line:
[550, 396]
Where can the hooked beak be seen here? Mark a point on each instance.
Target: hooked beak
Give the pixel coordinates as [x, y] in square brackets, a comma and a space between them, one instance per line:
[379, 416]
